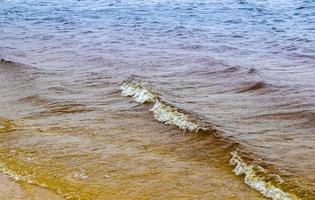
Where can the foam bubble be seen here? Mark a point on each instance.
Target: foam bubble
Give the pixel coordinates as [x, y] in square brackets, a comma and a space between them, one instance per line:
[170, 115]
[256, 182]
[139, 93]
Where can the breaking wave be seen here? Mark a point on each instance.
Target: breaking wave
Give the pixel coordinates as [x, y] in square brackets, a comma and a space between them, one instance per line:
[254, 179]
[255, 176]
[162, 112]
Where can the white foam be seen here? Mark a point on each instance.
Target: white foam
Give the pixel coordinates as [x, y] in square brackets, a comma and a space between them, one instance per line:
[169, 115]
[162, 112]
[265, 188]
[139, 93]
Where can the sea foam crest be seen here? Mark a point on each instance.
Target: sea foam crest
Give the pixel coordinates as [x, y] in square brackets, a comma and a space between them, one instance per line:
[139, 93]
[162, 112]
[170, 115]
[254, 181]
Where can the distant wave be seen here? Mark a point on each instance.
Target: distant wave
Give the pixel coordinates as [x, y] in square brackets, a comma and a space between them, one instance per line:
[255, 176]
[253, 71]
[251, 87]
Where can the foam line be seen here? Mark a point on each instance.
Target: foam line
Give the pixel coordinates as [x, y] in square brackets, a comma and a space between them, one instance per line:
[255, 181]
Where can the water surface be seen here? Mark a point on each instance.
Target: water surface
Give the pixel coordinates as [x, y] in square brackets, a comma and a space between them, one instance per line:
[243, 69]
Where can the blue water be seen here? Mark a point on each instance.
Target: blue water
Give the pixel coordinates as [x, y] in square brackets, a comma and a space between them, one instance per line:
[253, 32]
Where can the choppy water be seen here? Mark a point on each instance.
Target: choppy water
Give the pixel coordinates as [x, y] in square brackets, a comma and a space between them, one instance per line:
[157, 99]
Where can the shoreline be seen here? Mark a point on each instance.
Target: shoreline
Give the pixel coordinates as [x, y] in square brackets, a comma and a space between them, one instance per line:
[13, 190]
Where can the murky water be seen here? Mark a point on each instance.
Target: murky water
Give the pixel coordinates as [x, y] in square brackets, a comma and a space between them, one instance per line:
[157, 99]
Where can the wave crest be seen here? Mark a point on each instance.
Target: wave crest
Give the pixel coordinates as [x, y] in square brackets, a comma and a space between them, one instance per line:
[139, 93]
[251, 87]
[161, 111]
[254, 180]
[170, 115]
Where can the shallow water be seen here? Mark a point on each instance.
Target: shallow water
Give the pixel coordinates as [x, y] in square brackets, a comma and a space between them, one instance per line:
[240, 73]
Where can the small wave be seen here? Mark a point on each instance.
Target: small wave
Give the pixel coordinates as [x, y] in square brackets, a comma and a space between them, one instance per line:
[139, 93]
[161, 111]
[45, 107]
[253, 71]
[254, 87]
[60, 108]
[231, 69]
[35, 99]
[258, 179]
[170, 115]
